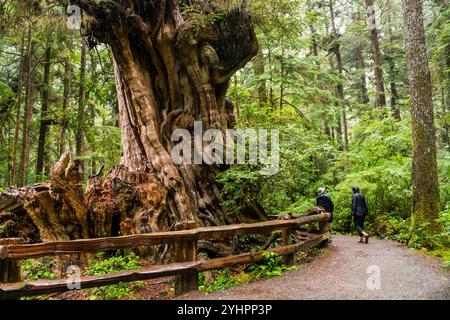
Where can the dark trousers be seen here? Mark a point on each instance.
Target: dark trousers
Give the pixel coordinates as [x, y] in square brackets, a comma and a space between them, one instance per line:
[359, 223]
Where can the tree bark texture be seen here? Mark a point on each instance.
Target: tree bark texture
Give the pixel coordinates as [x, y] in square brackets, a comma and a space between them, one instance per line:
[424, 174]
[172, 68]
[79, 136]
[42, 157]
[28, 111]
[18, 109]
[340, 87]
[259, 70]
[376, 54]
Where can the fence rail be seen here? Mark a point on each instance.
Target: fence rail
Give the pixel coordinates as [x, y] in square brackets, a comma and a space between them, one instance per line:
[186, 268]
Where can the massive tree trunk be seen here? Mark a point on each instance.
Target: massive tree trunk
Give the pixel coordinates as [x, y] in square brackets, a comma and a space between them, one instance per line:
[171, 69]
[424, 174]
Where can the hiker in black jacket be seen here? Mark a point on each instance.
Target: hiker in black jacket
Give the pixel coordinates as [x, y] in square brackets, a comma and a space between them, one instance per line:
[324, 200]
[359, 213]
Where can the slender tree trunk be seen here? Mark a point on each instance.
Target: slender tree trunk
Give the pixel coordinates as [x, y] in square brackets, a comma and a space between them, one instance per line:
[282, 79]
[259, 71]
[340, 87]
[314, 45]
[425, 184]
[359, 59]
[444, 116]
[363, 97]
[65, 104]
[79, 138]
[28, 113]
[337, 133]
[395, 110]
[376, 54]
[315, 53]
[271, 97]
[42, 155]
[345, 127]
[22, 72]
[91, 111]
[446, 100]
[393, 88]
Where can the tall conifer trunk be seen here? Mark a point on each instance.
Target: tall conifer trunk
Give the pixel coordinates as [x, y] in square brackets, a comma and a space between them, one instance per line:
[424, 172]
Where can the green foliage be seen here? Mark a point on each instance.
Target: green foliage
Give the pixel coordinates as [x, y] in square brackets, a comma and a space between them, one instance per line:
[222, 280]
[6, 93]
[443, 237]
[240, 184]
[3, 228]
[304, 154]
[271, 266]
[437, 240]
[102, 265]
[34, 269]
[444, 218]
[379, 162]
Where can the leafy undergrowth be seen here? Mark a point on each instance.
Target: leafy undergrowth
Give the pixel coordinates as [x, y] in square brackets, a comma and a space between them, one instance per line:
[271, 266]
[101, 266]
[34, 269]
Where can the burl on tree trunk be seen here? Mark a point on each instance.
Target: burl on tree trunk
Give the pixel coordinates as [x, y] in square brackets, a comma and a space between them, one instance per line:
[173, 63]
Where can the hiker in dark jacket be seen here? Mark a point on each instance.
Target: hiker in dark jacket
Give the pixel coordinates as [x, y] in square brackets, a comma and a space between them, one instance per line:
[359, 213]
[324, 200]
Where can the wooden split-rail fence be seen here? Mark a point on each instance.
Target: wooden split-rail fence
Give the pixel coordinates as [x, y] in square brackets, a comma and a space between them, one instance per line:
[185, 269]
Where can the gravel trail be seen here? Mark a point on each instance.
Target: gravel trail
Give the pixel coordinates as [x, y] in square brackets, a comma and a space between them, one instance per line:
[342, 273]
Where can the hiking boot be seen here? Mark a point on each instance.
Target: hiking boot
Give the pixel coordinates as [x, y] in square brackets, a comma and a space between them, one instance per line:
[366, 239]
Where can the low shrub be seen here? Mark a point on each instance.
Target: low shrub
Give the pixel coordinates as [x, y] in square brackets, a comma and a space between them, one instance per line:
[102, 265]
[271, 266]
[34, 269]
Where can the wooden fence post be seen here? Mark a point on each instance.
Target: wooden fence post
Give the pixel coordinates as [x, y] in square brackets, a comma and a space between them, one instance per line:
[324, 227]
[186, 251]
[287, 240]
[9, 269]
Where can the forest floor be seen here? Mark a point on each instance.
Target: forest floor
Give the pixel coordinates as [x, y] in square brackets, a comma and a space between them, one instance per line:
[343, 273]
[155, 289]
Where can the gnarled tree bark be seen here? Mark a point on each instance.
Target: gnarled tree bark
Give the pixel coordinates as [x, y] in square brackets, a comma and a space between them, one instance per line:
[172, 68]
